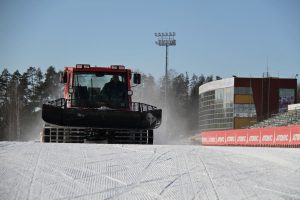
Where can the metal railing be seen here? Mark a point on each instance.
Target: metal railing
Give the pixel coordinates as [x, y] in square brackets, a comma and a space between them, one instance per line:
[137, 106]
[61, 102]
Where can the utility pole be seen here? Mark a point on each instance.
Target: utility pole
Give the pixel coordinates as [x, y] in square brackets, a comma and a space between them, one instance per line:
[166, 39]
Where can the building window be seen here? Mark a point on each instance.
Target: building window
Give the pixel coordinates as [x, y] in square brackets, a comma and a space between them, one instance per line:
[216, 109]
[286, 97]
[244, 110]
[243, 90]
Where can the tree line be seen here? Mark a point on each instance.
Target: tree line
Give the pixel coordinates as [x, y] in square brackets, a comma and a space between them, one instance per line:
[22, 96]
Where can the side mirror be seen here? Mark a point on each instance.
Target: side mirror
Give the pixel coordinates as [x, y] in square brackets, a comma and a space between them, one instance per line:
[137, 78]
[63, 77]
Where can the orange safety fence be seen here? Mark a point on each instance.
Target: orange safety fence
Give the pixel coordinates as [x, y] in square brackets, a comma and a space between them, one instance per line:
[286, 136]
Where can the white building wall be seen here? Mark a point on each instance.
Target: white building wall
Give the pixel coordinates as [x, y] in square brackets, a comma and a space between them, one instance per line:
[213, 85]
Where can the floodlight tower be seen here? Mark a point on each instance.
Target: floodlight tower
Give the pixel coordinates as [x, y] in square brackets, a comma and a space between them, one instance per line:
[166, 39]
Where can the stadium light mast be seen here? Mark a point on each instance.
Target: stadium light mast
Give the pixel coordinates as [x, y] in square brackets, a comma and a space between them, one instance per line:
[165, 39]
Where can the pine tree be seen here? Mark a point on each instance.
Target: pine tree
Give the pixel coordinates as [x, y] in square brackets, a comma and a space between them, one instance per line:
[35, 87]
[24, 91]
[4, 80]
[186, 91]
[4, 109]
[31, 110]
[51, 87]
[14, 107]
[209, 79]
[178, 92]
[38, 86]
[31, 84]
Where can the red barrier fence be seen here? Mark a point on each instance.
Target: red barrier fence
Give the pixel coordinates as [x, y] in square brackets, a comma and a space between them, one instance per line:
[286, 136]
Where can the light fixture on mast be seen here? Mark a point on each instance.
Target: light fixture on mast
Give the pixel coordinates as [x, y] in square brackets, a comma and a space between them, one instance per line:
[165, 39]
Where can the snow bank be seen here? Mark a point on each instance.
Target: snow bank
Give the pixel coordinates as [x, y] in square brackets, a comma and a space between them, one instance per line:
[100, 171]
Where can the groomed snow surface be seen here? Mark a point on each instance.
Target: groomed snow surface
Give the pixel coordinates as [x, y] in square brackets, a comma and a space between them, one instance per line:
[101, 171]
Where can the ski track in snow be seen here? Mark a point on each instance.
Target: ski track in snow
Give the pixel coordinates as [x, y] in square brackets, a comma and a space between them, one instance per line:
[31, 170]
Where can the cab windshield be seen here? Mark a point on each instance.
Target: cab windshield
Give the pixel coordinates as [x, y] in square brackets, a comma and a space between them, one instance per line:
[100, 89]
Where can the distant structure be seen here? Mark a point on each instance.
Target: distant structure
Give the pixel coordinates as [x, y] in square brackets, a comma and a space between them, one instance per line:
[238, 102]
[166, 39]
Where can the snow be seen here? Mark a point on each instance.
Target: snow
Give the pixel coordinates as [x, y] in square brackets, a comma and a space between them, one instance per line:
[37, 109]
[101, 171]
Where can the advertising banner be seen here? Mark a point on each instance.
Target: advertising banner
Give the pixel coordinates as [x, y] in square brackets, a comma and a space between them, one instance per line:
[267, 136]
[253, 137]
[208, 138]
[282, 135]
[242, 137]
[288, 136]
[295, 135]
[221, 138]
[230, 137]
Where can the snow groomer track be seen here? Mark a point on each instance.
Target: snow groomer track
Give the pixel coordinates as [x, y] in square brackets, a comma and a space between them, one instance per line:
[101, 171]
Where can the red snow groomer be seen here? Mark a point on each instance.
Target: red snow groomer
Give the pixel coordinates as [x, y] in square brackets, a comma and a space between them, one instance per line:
[97, 107]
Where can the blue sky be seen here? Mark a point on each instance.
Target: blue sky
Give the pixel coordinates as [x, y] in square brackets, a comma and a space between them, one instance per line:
[213, 37]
